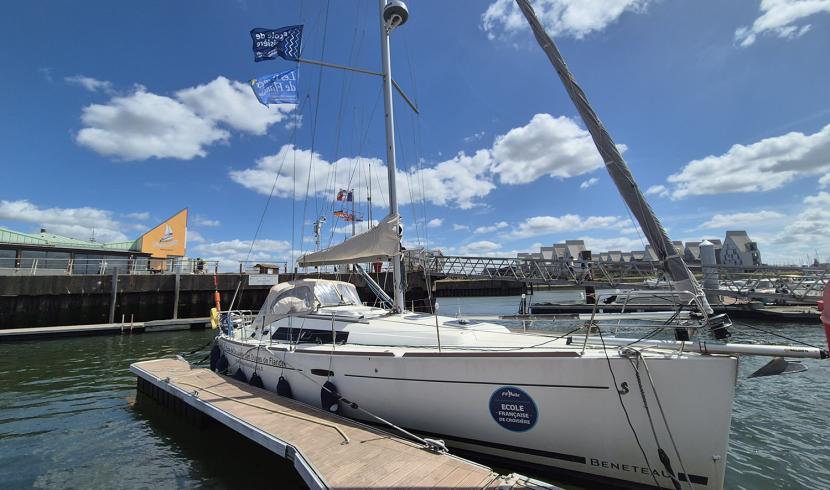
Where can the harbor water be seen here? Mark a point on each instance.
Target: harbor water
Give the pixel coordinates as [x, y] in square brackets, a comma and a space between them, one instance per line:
[69, 417]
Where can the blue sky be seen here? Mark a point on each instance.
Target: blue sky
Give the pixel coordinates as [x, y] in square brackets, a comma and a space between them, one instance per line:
[116, 115]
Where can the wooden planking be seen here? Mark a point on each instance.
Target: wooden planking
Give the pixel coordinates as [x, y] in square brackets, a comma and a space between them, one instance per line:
[372, 458]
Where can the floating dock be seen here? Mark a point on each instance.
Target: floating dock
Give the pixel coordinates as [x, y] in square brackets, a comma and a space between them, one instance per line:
[795, 313]
[328, 451]
[12, 334]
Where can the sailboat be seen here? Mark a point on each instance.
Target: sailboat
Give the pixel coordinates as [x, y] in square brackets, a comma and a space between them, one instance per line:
[633, 412]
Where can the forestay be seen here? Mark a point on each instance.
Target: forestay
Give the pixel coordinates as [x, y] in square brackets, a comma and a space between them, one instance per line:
[380, 243]
[673, 263]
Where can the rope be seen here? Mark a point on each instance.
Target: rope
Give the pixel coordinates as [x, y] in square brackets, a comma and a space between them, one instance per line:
[661, 454]
[287, 413]
[429, 444]
[777, 335]
[666, 422]
[625, 410]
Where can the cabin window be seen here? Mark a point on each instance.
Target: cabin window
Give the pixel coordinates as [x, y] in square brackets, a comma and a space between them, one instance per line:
[349, 294]
[334, 294]
[308, 336]
[327, 294]
[293, 301]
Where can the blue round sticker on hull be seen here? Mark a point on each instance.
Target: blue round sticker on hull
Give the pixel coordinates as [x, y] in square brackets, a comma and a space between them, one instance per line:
[513, 409]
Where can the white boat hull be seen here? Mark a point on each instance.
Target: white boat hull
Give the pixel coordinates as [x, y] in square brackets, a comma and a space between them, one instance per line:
[578, 426]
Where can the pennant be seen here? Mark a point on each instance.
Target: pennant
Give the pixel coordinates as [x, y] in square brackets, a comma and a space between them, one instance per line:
[285, 42]
[279, 88]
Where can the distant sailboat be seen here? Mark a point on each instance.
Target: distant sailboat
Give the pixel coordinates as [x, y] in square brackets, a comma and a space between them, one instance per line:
[634, 411]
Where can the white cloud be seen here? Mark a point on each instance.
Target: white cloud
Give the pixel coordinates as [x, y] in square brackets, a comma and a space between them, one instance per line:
[230, 253]
[294, 121]
[435, 223]
[91, 84]
[194, 236]
[781, 18]
[547, 145]
[142, 216]
[588, 183]
[145, 125]
[203, 221]
[658, 190]
[232, 103]
[457, 227]
[739, 220]
[546, 225]
[824, 181]
[560, 17]
[626, 244]
[474, 137]
[459, 181]
[805, 234]
[79, 223]
[346, 229]
[479, 247]
[491, 228]
[762, 166]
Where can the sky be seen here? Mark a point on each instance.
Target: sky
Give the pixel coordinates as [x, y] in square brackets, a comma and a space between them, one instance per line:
[116, 115]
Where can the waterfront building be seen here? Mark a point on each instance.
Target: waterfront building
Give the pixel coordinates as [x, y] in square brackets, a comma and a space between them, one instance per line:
[692, 252]
[559, 251]
[573, 249]
[50, 253]
[738, 249]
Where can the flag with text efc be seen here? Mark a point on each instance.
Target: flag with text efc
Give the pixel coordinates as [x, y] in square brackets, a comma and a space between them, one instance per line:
[284, 42]
[279, 88]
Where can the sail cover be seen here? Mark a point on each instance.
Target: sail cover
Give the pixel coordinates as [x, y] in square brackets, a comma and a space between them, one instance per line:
[656, 235]
[380, 243]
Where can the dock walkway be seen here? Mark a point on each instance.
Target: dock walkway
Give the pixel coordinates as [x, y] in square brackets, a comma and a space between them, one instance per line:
[327, 451]
[12, 334]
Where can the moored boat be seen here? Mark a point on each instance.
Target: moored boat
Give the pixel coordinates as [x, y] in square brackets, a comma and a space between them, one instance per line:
[636, 411]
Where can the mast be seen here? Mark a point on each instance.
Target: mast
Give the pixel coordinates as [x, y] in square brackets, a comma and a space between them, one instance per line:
[391, 16]
[673, 263]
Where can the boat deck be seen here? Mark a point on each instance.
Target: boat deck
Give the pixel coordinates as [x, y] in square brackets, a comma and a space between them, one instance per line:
[328, 451]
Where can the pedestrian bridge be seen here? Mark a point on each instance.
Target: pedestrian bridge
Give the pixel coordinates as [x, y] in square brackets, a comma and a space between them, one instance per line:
[760, 282]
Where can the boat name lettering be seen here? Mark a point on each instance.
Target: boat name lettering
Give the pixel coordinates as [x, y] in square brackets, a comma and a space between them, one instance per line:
[513, 409]
[250, 356]
[627, 467]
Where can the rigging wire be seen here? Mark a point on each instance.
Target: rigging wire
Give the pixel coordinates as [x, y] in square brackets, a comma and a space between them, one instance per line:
[316, 119]
[267, 204]
[625, 410]
[769, 332]
[662, 414]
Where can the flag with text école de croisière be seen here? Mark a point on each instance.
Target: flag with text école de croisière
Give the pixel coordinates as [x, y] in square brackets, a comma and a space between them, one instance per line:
[278, 88]
[284, 42]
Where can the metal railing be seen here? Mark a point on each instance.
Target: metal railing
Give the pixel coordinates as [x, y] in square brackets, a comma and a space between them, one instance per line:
[756, 282]
[141, 265]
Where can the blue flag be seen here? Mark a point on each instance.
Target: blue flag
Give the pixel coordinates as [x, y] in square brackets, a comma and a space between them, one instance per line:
[279, 88]
[284, 42]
